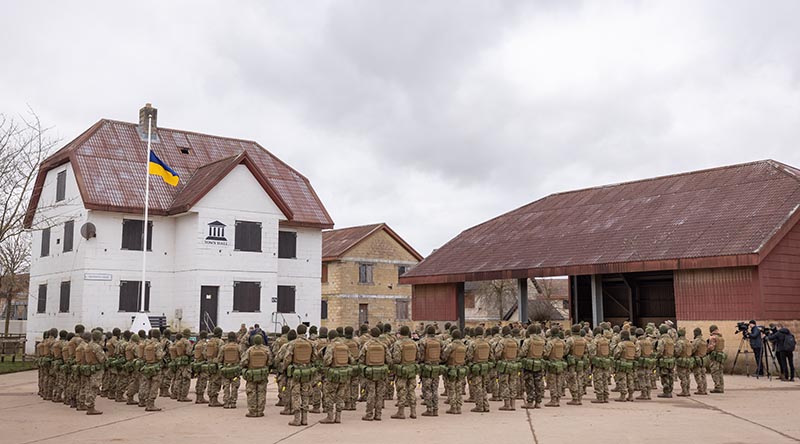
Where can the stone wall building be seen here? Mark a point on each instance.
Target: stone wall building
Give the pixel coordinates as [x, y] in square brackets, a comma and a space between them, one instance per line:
[360, 271]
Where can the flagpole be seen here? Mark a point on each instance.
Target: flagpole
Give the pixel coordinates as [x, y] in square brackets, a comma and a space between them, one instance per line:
[141, 321]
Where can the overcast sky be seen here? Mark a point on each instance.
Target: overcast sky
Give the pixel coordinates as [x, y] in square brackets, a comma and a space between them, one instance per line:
[432, 116]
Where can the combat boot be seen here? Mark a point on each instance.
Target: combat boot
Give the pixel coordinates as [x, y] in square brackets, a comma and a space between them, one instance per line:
[304, 418]
[214, 402]
[451, 411]
[684, 395]
[93, 411]
[665, 395]
[597, 401]
[553, 403]
[429, 411]
[131, 401]
[413, 412]
[506, 405]
[314, 409]
[81, 407]
[700, 393]
[630, 397]
[367, 417]
[201, 399]
[574, 402]
[338, 418]
[251, 415]
[527, 405]
[642, 397]
[622, 397]
[377, 416]
[280, 403]
[184, 400]
[297, 422]
[537, 405]
[152, 409]
[286, 410]
[328, 419]
[717, 391]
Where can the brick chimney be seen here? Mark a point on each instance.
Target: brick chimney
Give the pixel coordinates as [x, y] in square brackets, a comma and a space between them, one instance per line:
[144, 113]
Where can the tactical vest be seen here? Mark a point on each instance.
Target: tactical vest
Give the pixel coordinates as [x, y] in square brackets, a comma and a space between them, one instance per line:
[557, 352]
[89, 356]
[180, 347]
[510, 349]
[603, 347]
[433, 351]
[79, 351]
[408, 352]
[230, 353]
[129, 355]
[686, 351]
[353, 347]
[57, 350]
[536, 348]
[173, 352]
[578, 347]
[376, 354]
[481, 351]
[212, 349]
[458, 355]
[150, 352]
[72, 345]
[302, 352]
[141, 349]
[628, 350]
[198, 352]
[112, 346]
[701, 350]
[258, 358]
[647, 347]
[719, 346]
[341, 355]
[669, 348]
[42, 350]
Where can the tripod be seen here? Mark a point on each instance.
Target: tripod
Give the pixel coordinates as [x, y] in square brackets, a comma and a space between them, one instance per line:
[742, 349]
[768, 355]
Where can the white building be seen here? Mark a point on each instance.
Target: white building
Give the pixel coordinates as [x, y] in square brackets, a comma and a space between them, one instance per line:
[237, 241]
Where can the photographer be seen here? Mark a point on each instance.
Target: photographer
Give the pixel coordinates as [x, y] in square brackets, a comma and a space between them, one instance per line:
[784, 344]
[757, 344]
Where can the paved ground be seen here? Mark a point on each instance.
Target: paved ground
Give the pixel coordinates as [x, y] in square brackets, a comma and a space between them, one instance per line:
[750, 411]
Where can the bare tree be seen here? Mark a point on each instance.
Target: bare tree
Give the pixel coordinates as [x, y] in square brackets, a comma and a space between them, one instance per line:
[14, 260]
[497, 296]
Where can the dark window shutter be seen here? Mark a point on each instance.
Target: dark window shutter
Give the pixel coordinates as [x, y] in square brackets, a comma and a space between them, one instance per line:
[132, 235]
[247, 236]
[365, 274]
[129, 296]
[287, 244]
[149, 237]
[63, 303]
[402, 309]
[324, 314]
[69, 234]
[286, 296]
[246, 296]
[324, 273]
[45, 242]
[61, 186]
[41, 302]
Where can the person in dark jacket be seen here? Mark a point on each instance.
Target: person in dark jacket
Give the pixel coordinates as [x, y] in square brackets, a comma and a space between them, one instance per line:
[783, 342]
[757, 344]
[258, 331]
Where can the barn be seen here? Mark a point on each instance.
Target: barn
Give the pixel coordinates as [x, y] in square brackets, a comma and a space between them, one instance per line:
[713, 246]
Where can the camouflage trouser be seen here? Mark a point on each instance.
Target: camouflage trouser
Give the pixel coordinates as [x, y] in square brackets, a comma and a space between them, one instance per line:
[493, 387]
[506, 387]
[406, 391]
[301, 394]
[699, 372]
[214, 385]
[715, 368]
[600, 380]
[122, 384]
[354, 388]
[534, 386]
[80, 390]
[133, 385]
[282, 387]
[316, 389]
[167, 373]
[477, 387]
[643, 378]
[230, 390]
[105, 386]
[335, 394]
[40, 374]
[60, 385]
[454, 389]
[574, 381]
[149, 386]
[430, 392]
[653, 380]
[685, 378]
[555, 383]
[144, 390]
[667, 379]
[256, 396]
[376, 392]
[92, 388]
[183, 379]
[625, 382]
[201, 384]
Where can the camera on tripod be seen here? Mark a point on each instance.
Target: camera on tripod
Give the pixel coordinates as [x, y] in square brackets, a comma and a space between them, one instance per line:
[742, 327]
[766, 331]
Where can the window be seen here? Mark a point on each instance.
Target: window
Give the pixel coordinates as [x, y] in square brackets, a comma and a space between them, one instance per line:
[45, 242]
[248, 236]
[41, 303]
[63, 303]
[286, 299]
[132, 234]
[363, 314]
[287, 244]
[402, 269]
[129, 292]
[324, 314]
[402, 309]
[61, 186]
[69, 234]
[324, 273]
[365, 273]
[247, 296]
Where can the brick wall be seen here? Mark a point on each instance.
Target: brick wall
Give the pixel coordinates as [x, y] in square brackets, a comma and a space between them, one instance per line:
[343, 310]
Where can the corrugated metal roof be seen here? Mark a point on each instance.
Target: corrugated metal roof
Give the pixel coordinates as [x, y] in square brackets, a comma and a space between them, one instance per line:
[721, 212]
[109, 162]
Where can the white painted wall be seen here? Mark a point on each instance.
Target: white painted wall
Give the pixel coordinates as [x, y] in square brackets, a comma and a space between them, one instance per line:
[181, 261]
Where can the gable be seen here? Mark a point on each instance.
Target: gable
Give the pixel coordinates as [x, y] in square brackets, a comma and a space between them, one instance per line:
[380, 245]
[239, 191]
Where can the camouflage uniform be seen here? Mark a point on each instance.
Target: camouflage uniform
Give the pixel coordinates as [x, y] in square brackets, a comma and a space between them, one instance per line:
[506, 350]
[201, 383]
[684, 363]
[230, 373]
[256, 383]
[646, 367]
[355, 378]
[376, 384]
[336, 387]
[555, 369]
[183, 369]
[132, 351]
[123, 376]
[316, 381]
[95, 357]
[281, 375]
[665, 350]
[699, 349]
[213, 364]
[405, 376]
[151, 374]
[533, 371]
[479, 376]
[430, 373]
[57, 369]
[44, 360]
[576, 366]
[167, 370]
[600, 352]
[388, 340]
[493, 386]
[625, 368]
[81, 379]
[716, 349]
[110, 376]
[454, 376]
[300, 384]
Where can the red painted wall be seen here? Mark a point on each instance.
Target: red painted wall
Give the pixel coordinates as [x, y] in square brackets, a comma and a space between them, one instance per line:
[435, 302]
[717, 294]
[779, 276]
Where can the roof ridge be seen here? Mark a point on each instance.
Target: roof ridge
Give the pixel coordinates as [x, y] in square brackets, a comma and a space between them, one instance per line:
[354, 227]
[785, 169]
[197, 133]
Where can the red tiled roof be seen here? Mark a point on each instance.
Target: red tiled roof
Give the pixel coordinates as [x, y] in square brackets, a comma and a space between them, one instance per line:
[109, 164]
[335, 243]
[725, 216]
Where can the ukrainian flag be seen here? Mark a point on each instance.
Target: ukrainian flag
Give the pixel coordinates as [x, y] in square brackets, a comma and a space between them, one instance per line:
[159, 168]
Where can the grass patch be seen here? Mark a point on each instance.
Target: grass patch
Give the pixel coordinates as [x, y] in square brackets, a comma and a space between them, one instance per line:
[7, 366]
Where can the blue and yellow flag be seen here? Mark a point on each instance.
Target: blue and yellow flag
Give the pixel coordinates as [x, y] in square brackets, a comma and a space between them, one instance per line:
[160, 168]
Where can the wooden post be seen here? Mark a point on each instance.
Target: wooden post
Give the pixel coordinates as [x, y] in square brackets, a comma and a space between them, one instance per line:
[522, 299]
[597, 299]
[460, 305]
